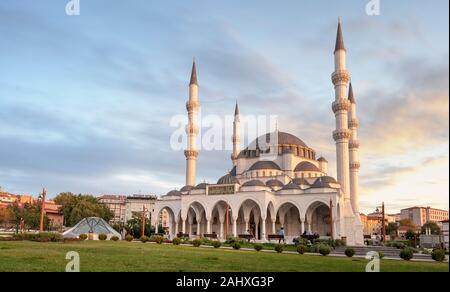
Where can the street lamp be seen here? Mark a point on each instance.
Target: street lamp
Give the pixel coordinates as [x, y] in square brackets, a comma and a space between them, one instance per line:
[383, 221]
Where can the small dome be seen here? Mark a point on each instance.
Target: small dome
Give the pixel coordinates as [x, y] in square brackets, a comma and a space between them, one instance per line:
[201, 186]
[301, 181]
[274, 183]
[291, 186]
[321, 159]
[324, 182]
[186, 189]
[264, 165]
[227, 180]
[306, 166]
[254, 183]
[173, 193]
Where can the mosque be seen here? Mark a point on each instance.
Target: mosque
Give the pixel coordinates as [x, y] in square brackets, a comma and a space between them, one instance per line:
[291, 191]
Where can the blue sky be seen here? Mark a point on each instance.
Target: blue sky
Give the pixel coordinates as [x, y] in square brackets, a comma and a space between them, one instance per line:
[85, 101]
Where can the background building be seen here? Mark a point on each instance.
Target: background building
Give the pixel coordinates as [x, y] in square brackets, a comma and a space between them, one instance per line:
[421, 215]
[136, 203]
[117, 205]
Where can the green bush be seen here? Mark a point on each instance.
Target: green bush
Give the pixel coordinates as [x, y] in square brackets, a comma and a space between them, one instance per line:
[302, 249]
[232, 240]
[115, 238]
[83, 236]
[144, 239]
[40, 237]
[407, 254]
[176, 241]
[258, 247]
[236, 245]
[216, 244]
[129, 238]
[438, 255]
[324, 249]
[350, 252]
[279, 248]
[102, 236]
[381, 255]
[196, 242]
[157, 238]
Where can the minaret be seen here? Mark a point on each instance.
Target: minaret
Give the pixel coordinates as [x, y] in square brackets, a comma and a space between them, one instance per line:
[353, 125]
[341, 106]
[236, 135]
[192, 107]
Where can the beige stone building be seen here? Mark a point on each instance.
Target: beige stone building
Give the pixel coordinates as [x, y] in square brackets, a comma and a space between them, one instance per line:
[421, 215]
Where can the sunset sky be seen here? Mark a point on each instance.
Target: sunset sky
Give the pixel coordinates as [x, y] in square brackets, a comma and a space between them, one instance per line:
[86, 101]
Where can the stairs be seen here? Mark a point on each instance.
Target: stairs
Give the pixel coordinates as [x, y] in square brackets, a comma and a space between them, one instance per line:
[389, 252]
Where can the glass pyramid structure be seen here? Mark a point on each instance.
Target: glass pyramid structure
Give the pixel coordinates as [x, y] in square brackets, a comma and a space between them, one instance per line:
[91, 225]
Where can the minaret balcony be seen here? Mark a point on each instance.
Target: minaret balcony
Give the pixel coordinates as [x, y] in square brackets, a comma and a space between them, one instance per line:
[354, 144]
[353, 123]
[355, 166]
[191, 154]
[342, 134]
[340, 77]
[341, 105]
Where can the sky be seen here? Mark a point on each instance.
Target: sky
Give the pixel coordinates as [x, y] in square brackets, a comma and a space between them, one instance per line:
[86, 101]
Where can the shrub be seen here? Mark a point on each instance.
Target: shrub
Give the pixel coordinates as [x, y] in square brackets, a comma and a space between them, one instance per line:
[232, 240]
[438, 255]
[216, 244]
[258, 247]
[40, 237]
[279, 248]
[324, 249]
[114, 238]
[236, 245]
[314, 248]
[176, 241]
[301, 249]
[196, 242]
[350, 252]
[144, 239]
[407, 254]
[129, 238]
[102, 236]
[300, 241]
[380, 255]
[83, 236]
[157, 238]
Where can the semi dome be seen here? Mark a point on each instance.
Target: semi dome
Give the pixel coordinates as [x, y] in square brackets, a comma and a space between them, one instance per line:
[322, 159]
[324, 182]
[264, 165]
[254, 183]
[186, 189]
[274, 183]
[301, 181]
[291, 186]
[227, 180]
[306, 166]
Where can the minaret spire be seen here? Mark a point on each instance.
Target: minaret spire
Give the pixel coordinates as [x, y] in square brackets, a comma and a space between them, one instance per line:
[351, 96]
[192, 107]
[236, 135]
[339, 37]
[194, 74]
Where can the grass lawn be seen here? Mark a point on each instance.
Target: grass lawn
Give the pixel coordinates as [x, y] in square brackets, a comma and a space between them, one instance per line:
[124, 256]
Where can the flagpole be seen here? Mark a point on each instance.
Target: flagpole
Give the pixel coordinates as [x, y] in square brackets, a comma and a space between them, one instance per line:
[44, 194]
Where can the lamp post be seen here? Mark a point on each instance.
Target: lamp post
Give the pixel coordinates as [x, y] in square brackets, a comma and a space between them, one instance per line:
[383, 221]
[44, 194]
[143, 220]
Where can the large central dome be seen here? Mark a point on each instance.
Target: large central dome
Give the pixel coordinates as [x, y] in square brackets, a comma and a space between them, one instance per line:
[285, 142]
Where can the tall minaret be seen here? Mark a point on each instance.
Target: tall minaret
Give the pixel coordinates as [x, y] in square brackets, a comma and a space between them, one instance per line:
[192, 107]
[236, 135]
[341, 106]
[353, 124]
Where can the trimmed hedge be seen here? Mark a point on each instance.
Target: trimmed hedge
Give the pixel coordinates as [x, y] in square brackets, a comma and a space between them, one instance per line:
[258, 247]
[236, 245]
[83, 236]
[438, 255]
[129, 238]
[216, 244]
[350, 252]
[302, 249]
[324, 249]
[407, 254]
[114, 238]
[196, 242]
[144, 239]
[279, 248]
[176, 241]
[102, 236]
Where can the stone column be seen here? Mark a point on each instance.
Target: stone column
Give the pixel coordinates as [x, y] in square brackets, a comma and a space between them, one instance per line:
[234, 227]
[263, 231]
[208, 226]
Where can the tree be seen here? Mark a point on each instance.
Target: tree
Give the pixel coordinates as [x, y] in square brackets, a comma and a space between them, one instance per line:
[77, 207]
[391, 229]
[408, 223]
[30, 213]
[134, 226]
[434, 228]
[410, 235]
